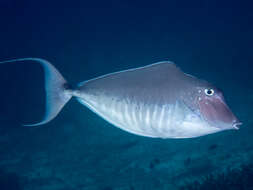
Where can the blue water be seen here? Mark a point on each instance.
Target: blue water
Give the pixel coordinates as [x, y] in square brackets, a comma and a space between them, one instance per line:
[78, 150]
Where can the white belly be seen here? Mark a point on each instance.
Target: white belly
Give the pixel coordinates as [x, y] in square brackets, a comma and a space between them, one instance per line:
[138, 118]
[150, 120]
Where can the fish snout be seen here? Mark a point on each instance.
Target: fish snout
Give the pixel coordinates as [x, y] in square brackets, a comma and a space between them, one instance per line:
[236, 124]
[217, 113]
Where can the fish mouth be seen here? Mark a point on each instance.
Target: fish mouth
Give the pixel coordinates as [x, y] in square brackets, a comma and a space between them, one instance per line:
[236, 125]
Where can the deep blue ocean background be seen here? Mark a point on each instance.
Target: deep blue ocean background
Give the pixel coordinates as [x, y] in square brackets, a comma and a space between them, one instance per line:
[210, 39]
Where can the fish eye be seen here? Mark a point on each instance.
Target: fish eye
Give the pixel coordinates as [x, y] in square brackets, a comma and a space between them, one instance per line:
[209, 91]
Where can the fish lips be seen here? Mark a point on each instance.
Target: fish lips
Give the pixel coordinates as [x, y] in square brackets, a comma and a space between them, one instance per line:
[216, 112]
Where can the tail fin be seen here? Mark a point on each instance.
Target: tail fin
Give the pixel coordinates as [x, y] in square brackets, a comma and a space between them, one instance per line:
[57, 94]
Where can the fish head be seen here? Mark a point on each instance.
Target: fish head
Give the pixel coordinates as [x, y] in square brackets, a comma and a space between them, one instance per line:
[213, 109]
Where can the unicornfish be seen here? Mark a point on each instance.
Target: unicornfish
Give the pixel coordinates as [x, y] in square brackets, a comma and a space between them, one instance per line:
[157, 100]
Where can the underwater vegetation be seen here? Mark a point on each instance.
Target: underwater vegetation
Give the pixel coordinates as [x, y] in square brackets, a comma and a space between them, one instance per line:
[232, 179]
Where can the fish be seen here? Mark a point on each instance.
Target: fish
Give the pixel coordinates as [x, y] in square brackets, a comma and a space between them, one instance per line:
[157, 100]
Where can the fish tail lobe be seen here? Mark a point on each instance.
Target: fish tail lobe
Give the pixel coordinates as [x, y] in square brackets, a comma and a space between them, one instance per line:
[58, 92]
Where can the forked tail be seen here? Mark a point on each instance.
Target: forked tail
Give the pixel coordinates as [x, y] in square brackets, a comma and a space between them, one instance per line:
[57, 93]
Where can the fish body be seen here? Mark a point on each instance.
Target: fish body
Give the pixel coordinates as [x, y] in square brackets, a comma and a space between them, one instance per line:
[147, 101]
[158, 100]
